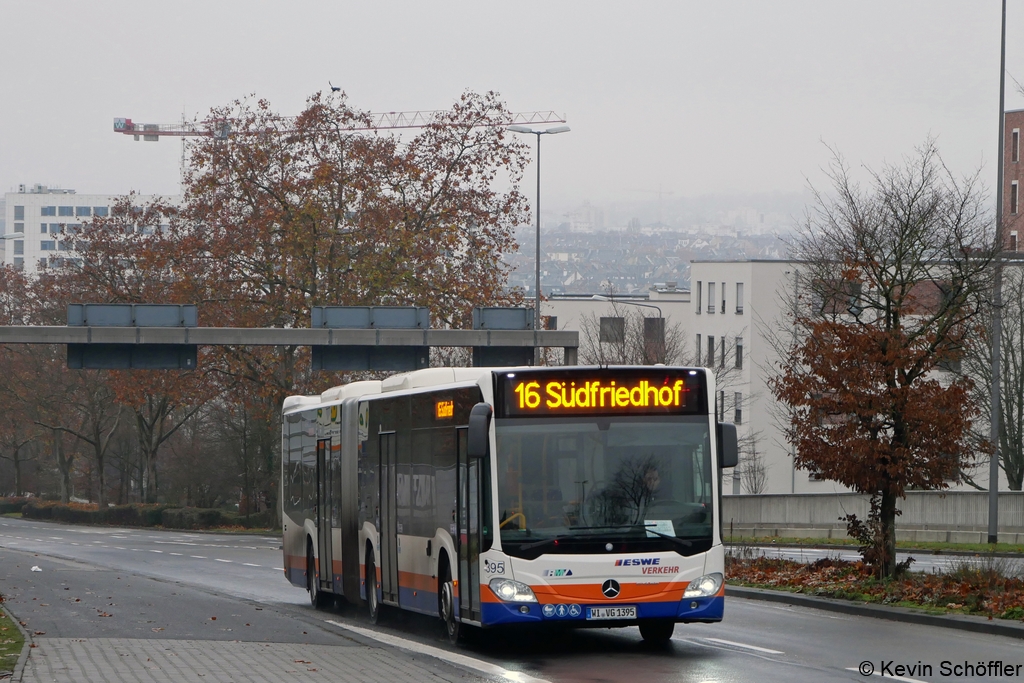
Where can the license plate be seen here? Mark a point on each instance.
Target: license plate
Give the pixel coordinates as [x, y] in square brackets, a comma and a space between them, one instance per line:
[620, 612]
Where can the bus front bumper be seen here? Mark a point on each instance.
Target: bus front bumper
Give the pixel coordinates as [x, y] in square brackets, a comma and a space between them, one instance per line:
[709, 609]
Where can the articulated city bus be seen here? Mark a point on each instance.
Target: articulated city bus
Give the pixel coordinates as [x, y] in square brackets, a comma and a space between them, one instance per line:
[580, 496]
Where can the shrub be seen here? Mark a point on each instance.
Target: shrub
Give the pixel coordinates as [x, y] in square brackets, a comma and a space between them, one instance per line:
[9, 505]
[133, 514]
[37, 510]
[192, 518]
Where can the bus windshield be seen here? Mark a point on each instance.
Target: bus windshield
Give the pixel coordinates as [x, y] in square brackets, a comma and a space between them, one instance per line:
[576, 485]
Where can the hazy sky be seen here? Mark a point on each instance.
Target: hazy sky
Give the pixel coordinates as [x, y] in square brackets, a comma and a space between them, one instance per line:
[693, 98]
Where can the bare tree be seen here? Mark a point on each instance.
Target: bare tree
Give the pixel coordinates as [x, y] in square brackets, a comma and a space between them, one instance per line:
[752, 467]
[630, 337]
[977, 364]
[90, 414]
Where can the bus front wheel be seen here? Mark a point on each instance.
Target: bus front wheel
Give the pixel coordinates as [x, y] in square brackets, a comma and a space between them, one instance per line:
[657, 632]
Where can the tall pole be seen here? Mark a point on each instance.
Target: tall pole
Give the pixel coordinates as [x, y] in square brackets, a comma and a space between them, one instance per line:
[537, 311]
[997, 306]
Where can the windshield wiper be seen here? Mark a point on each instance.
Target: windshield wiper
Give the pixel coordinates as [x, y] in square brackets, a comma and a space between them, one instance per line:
[678, 541]
[545, 541]
[645, 527]
[562, 537]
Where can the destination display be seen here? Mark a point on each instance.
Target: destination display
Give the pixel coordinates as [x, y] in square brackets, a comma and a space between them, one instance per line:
[578, 392]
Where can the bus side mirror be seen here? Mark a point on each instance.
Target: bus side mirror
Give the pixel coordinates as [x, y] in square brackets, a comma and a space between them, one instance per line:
[479, 430]
[728, 445]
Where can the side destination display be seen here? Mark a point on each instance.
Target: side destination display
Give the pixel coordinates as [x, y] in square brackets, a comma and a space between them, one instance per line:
[658, 391]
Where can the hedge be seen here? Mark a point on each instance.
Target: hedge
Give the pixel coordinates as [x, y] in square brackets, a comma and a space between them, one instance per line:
[137, 514]
[192, 518]
[134, 514]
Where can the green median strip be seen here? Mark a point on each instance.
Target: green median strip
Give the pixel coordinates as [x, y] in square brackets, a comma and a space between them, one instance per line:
[11, 642]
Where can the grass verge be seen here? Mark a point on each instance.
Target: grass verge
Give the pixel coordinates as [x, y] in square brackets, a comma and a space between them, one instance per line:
[11, 642]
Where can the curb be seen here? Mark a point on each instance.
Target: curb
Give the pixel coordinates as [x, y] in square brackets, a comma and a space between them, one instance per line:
[19, 667]
[998, 627]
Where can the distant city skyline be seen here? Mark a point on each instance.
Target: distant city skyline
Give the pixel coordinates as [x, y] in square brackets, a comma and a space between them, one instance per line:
[691, 99]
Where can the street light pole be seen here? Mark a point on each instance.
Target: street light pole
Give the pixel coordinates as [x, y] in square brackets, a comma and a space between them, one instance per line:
[997, 304]
[538, 133]
[601, 297]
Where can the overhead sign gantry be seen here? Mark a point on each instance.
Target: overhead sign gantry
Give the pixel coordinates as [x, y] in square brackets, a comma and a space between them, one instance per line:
[161, 336]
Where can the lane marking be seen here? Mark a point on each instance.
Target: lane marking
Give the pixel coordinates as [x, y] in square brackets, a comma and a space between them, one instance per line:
[217, 559]
[156, 551]
[250, 564]
[178, 554]
[198, 557]
[755, 648]
[444, 655]
[891, 678]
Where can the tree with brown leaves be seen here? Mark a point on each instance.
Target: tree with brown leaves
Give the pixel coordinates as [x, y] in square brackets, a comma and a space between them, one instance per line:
[893, 279]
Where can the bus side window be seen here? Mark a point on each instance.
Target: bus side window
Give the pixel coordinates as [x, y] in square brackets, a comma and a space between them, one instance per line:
[294, 471]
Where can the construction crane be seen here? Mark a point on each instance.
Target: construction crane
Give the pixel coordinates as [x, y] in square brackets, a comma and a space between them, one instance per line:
[152, 132]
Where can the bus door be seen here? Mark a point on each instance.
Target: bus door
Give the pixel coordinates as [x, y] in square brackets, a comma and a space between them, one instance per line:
[322, 518]
[468, 537]
[386, 472]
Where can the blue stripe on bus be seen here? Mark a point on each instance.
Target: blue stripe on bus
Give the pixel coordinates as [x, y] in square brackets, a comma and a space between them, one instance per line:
[424, 602]
[707, 610]
[297, 576]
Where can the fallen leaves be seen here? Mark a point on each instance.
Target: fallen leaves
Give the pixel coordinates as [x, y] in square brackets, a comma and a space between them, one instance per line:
[967, 593]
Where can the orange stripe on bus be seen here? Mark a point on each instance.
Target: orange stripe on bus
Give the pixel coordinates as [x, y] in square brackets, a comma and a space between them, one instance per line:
[419, 582]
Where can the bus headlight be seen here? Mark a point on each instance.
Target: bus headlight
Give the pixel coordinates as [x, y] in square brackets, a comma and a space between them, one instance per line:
[512, 591]
[704, 586]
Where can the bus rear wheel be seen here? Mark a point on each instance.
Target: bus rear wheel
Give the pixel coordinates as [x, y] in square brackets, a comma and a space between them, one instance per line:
[657, 632]
[372, 602]
[317, 598]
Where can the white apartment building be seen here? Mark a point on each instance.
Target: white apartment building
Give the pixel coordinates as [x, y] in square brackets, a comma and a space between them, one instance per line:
[738, 310]
[34, 217]
[726, 318]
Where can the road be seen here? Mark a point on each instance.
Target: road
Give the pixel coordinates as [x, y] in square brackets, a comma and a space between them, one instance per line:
[169, 585]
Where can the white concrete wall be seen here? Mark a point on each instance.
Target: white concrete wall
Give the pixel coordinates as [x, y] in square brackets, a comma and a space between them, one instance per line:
[922, 510]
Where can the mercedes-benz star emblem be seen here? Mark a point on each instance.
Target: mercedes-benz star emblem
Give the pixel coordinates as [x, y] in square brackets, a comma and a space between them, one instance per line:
[610, 588]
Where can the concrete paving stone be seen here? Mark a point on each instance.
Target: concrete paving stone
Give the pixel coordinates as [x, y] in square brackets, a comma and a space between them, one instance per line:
[78, 660]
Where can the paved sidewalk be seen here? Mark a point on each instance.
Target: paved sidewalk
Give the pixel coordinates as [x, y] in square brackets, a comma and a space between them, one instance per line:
[79, 660]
